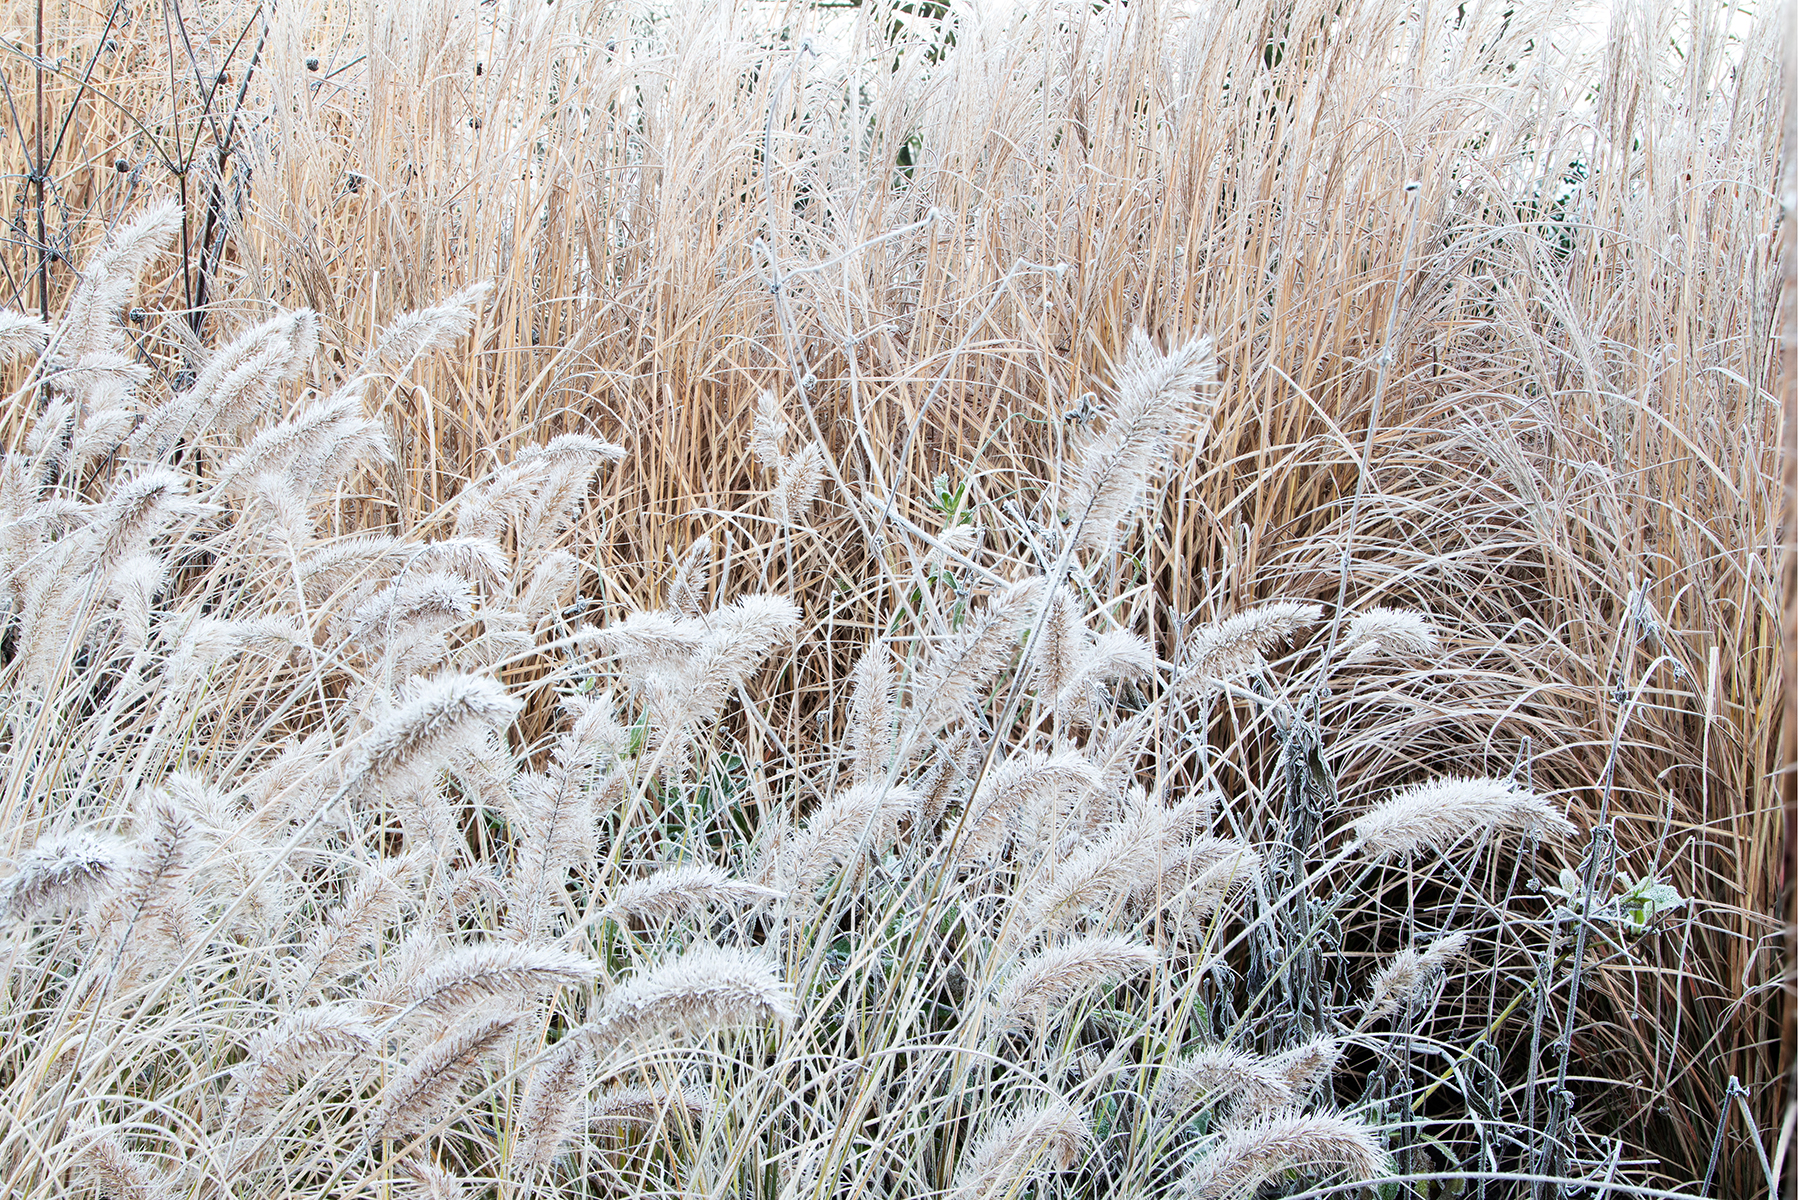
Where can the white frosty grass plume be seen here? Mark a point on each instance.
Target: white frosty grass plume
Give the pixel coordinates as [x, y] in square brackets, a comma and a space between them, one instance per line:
[676, 892]
[1410, 972]
[1048, 980]
[1048, 1137]
[1318, 1144]
[1439, 814]
[443, 715]
[423, 330]
[1393, 632]
[705, 989]
[65, 869]
[1237, 645]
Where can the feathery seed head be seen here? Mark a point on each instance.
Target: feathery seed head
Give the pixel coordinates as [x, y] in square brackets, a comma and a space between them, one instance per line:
[442, 716]
[1443, 812]
[676, 892]
[1410, 972]
[1237, 645]
[423, 330]
[705, 989]
[1393, 632]
[64, 870]
[471, 975]
[1056, 976]
[1241, 1159]
[1233, 1081]
[1044, 1138]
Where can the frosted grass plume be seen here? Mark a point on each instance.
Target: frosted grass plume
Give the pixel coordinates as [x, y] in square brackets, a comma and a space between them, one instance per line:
[1241, 1159]
[1238, 644]
[1063, 973]
[1041, 1139]
[1389, 632]
[1409, 973]
[703, 990]
[61, 871]
[1441, 813]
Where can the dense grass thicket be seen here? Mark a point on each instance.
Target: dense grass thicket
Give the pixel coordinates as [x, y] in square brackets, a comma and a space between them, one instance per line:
[990, 601]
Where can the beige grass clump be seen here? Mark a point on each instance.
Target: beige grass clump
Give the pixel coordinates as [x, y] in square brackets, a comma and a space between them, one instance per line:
[1439, 814]
[1243, 1158]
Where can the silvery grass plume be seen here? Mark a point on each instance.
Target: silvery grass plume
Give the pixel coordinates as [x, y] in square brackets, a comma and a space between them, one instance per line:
[87, 349]
[674, 893]
[1443, 812]
[1410, 972]
[956, 676]
[1021, 798]
[555, 1104]
[1231, 1082]
[413, 334]
[1308, 1065]
[1389, 632]
[1055, 977]
[798, 476]
[113, 1171]
[1241, 1159]
[313, 452]
[1130, 856]
[1238, 644]
[1199, 877]
[487, 972]
[235, 387]
[369, 907]
[691, 583]
[949, 764]
[425, 1091]
[21, 334]
[539, 491]
[554, 811]
[872, 714]
[62, 871]
[1070, 663]
[1156, 407]
[441, 717]
[650, 1106]
[430, 1182]
[705, 989]
[1041, 1139]
[149, 879]
[862, 821]
[686, 668]
[302, 1043]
